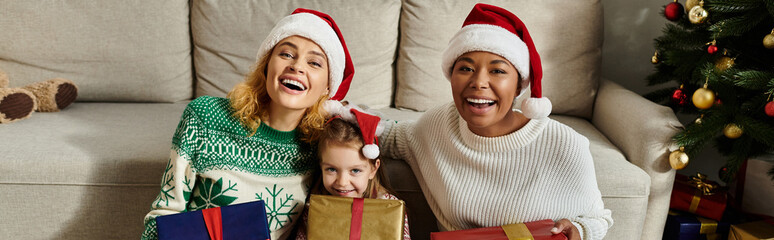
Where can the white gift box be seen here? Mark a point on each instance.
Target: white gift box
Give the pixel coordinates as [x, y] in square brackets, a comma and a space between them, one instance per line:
[757, 188]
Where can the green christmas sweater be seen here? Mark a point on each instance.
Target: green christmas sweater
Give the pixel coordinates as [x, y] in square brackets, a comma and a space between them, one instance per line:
[214, 163]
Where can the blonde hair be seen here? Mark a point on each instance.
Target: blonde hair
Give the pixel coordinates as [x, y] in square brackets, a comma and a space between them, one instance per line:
[342, 133]
[250, 101]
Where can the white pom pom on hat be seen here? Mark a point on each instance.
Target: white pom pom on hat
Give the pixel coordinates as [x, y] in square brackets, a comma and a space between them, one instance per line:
[493, 29]
[371, 151]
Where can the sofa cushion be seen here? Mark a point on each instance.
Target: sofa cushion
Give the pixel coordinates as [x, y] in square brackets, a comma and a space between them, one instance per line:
[567, 34]
[108, 144]
[129, 51]
[616, 176]
[227, 35]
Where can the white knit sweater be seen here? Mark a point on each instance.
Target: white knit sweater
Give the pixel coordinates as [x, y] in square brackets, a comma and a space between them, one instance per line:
[542, 171]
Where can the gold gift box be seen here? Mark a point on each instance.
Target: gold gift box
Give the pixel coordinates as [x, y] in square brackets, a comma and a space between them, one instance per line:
[763, 230]
[330, 217]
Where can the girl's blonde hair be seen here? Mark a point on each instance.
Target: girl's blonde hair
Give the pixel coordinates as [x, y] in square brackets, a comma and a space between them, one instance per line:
[340, 132]
[250, 101]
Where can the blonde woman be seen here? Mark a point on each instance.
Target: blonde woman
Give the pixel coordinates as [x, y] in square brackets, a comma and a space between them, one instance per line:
[257, 144]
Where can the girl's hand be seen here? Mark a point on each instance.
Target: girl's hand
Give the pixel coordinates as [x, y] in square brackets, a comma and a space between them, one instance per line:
[566, 227]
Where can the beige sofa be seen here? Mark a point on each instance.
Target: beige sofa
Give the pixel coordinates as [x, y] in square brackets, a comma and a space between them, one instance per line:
[92, 170]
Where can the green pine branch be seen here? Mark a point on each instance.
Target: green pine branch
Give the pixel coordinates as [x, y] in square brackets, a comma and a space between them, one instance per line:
[756, 129]
[737, 26]
[753, 80]
[770, 7]
[731, 6]
[680, 38]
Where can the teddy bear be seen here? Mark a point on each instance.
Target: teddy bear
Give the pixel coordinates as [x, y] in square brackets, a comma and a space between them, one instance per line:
[47, 96]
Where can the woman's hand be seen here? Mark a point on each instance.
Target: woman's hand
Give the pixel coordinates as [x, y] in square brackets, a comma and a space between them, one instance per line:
[566, 227]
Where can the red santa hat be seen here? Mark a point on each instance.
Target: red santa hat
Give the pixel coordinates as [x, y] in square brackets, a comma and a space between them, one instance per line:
[493, 29]
[369, 129]
[321, 29]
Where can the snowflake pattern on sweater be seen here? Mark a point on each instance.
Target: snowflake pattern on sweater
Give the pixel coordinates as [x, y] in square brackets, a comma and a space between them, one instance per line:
[214, 162]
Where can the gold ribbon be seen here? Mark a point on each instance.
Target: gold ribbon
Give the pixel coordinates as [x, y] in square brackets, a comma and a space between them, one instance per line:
[709, 228]
[700, 182]
[694, 203]
[517, 231]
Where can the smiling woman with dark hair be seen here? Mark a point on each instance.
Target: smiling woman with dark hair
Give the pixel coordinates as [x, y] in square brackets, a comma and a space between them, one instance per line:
[481, 164]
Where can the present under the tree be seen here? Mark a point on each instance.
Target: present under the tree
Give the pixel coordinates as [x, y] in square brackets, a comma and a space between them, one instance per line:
[332, 217]
[537, 230]
[237, 221]
[763, 230]
[697, 195]
[685, 226]
[753, 189]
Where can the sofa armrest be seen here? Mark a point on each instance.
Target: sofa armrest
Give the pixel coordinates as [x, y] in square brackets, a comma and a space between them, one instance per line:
[642, 130]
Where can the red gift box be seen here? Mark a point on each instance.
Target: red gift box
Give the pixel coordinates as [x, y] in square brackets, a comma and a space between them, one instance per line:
[697, 195]
[538, 230]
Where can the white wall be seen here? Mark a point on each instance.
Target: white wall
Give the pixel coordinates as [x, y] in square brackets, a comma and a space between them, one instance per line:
[630, 27]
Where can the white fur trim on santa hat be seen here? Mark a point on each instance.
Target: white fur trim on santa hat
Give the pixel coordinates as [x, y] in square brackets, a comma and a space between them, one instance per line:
[371, 151]
[332, 107]
[316, 29]
[536, 108]
[487, 38]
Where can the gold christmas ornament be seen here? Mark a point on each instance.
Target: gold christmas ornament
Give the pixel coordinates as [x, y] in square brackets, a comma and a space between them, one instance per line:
[698, 120]
[768, 40]
[723, 63]
[703, 98]
[690, 4]
[678, 159]
[654, 59]
[732, 131]
[697, 14]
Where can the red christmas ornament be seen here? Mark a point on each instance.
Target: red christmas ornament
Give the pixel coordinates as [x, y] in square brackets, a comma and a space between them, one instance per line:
[679, 97]
[712, 49]
[770, 109]
[718, 102]
[673, 11]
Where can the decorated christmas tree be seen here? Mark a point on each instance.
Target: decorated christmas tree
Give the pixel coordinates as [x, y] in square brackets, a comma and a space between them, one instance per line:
[716, 61]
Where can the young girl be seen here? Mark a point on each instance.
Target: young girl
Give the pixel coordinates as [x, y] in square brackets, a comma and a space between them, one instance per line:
[258, 144]
[471, 152]
[350, 164]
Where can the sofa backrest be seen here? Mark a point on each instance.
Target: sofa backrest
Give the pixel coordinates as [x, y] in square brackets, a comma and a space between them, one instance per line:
[146, 51]
[114, 50]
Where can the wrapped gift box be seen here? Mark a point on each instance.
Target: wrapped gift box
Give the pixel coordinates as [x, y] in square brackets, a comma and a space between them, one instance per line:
[753, 190]
[332, 217]
[237, 221]
[538, 230]
[685, 226]
[699, 196]
[752, 230]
